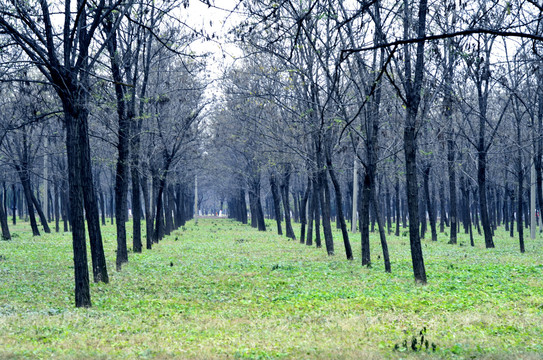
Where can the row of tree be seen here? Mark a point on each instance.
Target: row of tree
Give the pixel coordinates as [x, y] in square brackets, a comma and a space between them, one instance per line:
[403, 103]
[334, 109]
[99, 98]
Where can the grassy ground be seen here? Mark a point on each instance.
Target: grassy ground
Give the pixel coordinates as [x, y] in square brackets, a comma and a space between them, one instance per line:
[223, 290]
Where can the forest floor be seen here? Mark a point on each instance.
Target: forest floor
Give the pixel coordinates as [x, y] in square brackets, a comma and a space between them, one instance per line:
[220, 290]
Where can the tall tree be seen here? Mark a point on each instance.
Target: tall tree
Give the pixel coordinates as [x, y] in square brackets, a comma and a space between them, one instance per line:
[65, 53]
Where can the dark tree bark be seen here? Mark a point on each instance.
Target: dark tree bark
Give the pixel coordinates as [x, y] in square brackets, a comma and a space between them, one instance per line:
[442, 212]
[276, 202]
[4, 219]
[123, 142]
[242, 206]
[317, 210]
[469, 222]
[25, 182]
[388, 212]
[65, 206]
[14, 208]
[285, 192]
[56, 204]
[520, 214]
[148, 212]
[413, 97]
[77, 221]
[303, 212]
[452, 189]
[512, 213]
[311, 210]
[41, 214]
[538, 140]
[252, 209]
[429, 205]
[111, 204]
[520, 179]
[397, 205]
[481, 180]
[505, 210]
[339, 205]
[168, 209]
[136, 195]
[365, 217]
[296, 201]
[103, 207]
[325, 203]
[382, 234]
[158, 233]
[99, 267]
[257, 214]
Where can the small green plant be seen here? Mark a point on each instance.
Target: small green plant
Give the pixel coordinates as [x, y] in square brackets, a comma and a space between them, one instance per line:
[418, 343]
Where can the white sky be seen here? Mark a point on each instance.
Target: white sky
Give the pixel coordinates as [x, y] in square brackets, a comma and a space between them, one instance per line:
[213, 20]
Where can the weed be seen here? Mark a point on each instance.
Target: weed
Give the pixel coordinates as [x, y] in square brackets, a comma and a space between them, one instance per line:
[417, 343]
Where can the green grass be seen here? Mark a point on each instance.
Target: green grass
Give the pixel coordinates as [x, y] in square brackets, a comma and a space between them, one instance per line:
[224, 290]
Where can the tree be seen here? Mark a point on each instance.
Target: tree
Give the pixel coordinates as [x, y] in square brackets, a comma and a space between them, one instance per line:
[65, 54]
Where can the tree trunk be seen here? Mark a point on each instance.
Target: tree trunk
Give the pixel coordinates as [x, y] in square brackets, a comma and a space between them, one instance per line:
[65, 206]
[442, 211]
[41, 214]
[317, 211]
[169, 209]
[481, 181]
[296, 202]
[452, 189]
[388, 211]
[285, 192]
[397, 205]
[14, 207]
[111, 204]
[365, 218]
[382, 234]
[159, 214]
[77, 221]
[413, 97]
[505, 207]
[469, 222]
[339, 205]
[103, 207]
[325, 206]
[303, 211]
[25, 182]
[311, 210]
[243, 206]
[512, 213]
[136, 194]
[429, 205]
[520, 227]
[276, 202]
[520, 179]
[56, 203]
[99, 267]
[422, 217]
[148, 212]
[4, 219]
[410, 150]
[252, 209]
